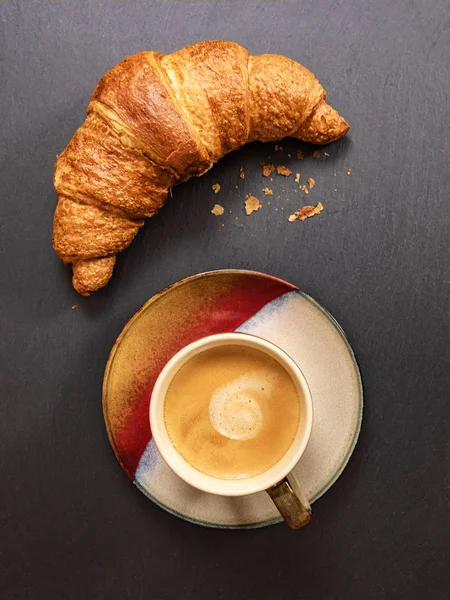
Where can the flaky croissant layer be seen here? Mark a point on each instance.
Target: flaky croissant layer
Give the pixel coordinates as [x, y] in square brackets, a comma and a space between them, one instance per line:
[156, 120]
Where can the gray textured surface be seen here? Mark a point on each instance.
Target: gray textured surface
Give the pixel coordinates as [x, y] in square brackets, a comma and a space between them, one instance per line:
[71, 525]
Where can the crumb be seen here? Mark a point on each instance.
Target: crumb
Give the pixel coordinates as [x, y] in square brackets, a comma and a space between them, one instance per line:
[326, 154]
[299, 155]
[282, 170]
[349, 172]
[216, 188]
[316, 154]
[281, 208]
[268, 192]
[297, 177]
[236, 218]
[241, 173]
[304, 189]
[278, 197]
[270, 178]
[276, 148]
[217, 210]
[334, 174]
[335, 189]
[309, 211]
[223, 224]
[312, 183]
[268, 203]
[231, 212]
[289, 155]
[236, 186]
[74, 306]
[306, 212]
[252, 204]
[268, 170]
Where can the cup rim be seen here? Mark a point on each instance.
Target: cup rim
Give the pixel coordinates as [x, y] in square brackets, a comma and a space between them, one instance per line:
[198, 479]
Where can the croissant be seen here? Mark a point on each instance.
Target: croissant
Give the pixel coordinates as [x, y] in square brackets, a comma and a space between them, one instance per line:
[156, 120]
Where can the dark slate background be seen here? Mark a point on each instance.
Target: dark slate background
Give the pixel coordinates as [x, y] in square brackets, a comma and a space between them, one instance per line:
[71, 525]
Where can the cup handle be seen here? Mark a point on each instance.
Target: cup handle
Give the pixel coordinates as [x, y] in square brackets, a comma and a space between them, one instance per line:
[293, 506]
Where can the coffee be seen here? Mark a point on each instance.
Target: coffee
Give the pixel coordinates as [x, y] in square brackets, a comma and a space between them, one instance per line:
[232, 412]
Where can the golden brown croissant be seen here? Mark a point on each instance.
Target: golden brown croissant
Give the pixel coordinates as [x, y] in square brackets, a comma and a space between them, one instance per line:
[156, 120]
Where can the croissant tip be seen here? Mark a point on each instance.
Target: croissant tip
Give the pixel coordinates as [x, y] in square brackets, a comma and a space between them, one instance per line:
[91, 274]
[324, 126]
[344, 128]
[81, 291]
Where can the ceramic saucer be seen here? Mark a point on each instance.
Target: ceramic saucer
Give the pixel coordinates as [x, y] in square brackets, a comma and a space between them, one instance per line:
[216, 302]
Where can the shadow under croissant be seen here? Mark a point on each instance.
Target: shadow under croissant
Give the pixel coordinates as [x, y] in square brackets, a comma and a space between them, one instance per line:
[184, 237]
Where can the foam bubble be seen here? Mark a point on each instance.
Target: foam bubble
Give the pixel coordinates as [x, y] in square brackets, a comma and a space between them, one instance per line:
[234, 411]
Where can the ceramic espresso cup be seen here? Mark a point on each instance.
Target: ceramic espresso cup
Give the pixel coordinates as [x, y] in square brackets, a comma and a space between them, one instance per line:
[293, 507]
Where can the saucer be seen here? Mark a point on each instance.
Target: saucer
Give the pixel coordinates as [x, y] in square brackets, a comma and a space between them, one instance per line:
[217, 302]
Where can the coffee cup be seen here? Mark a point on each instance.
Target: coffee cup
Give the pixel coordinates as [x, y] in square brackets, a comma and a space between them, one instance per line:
[235, 416]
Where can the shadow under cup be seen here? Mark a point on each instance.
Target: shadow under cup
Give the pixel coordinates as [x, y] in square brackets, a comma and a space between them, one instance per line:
[273, 480]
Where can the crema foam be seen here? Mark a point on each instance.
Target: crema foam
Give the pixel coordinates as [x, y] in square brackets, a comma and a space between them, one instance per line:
[232, 412]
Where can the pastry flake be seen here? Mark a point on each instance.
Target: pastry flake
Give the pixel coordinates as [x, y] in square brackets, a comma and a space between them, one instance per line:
[306, 212]
[282, 170]
[267, 169]
[217, 210]
[252, 204]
